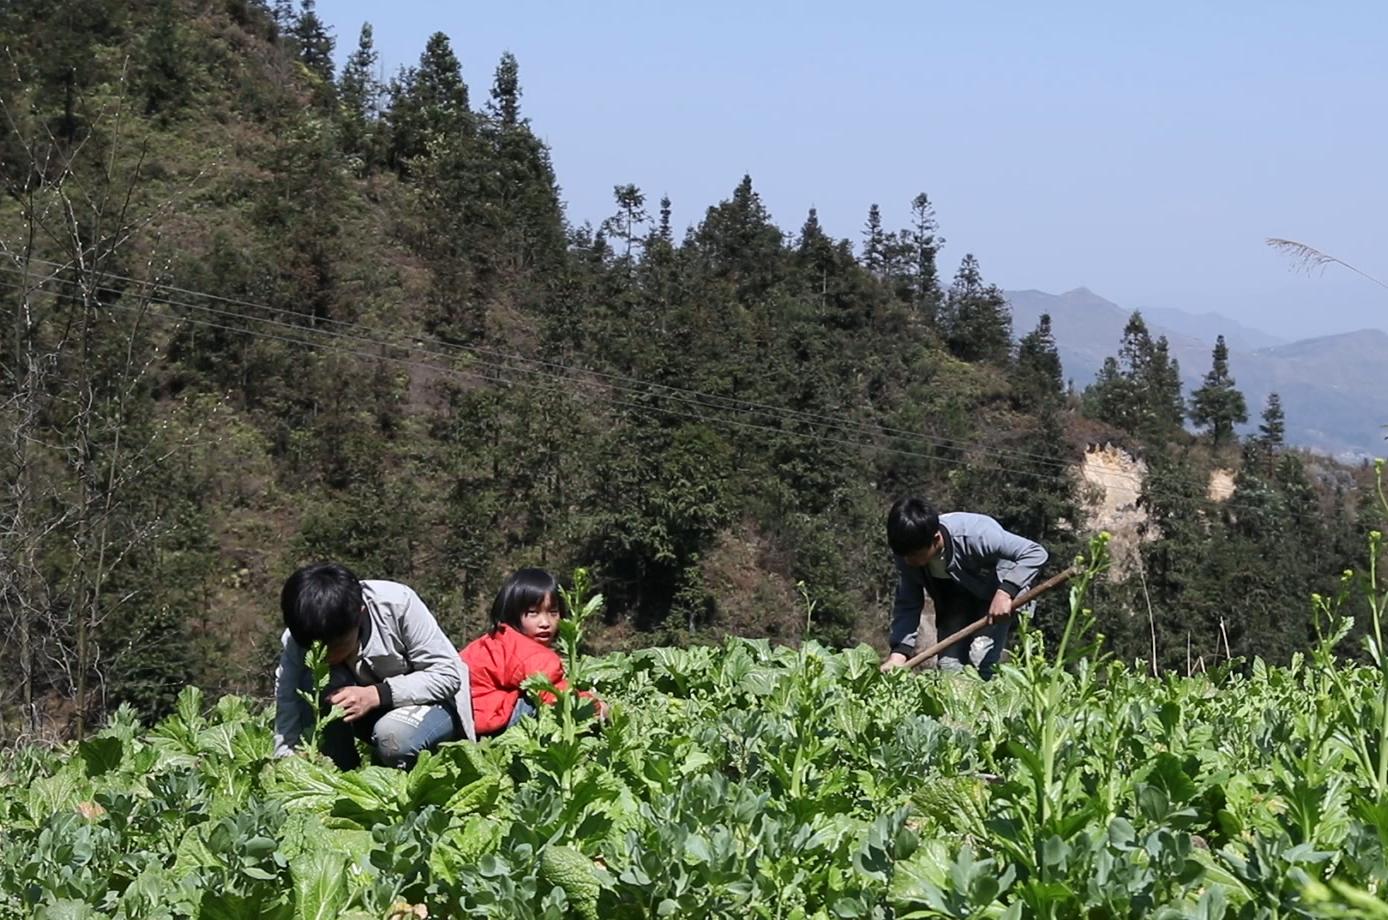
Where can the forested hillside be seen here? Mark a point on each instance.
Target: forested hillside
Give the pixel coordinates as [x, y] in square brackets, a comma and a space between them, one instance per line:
[259, 311]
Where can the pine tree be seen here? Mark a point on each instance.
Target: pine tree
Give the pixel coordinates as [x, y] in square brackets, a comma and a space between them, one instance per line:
[663, 231]
[1038, 380]
[924, 245]
[1273, 431]
[360, 95]
[506, 92]
[873, 241]
[1109, 398]
[285, 17]
[1142, 395]
[428, 102]
[1135, 351]
[315, 42]
[1217, 404]
[1161, 386]
[631, 215]
[738, 243]
[978, 324]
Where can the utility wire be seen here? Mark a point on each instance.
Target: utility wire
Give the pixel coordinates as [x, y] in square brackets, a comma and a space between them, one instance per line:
[299, 335]
[711, 400]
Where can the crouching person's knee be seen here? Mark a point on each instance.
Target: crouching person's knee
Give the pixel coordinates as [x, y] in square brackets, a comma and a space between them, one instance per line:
[402, 734]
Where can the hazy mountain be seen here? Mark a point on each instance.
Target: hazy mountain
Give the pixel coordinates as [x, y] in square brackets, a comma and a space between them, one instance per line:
[1205, 326]
[1331, 387]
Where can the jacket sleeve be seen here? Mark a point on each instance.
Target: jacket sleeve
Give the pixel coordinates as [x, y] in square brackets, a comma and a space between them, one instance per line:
[1017, 560]
[436, 677]
[292, 713]
[542, 661]
[906, 609]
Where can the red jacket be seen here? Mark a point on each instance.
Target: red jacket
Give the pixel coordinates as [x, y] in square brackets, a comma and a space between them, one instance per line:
[498, 663]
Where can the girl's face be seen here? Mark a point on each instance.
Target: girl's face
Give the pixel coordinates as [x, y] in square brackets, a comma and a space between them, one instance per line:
[541, 622]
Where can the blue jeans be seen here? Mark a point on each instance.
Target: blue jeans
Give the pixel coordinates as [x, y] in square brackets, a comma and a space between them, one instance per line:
[524, 708]
[396, 736]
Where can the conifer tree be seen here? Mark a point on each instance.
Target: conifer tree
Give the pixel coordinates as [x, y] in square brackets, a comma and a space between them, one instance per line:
[873, 241]
[978, 323]
[427, 102]
[924, 246]
[506, 92]
[1273, 431]
[631, 215]
[315, 42]
[1038, 380]
[285, 17]
[1217, 404]
[360, 95]
[1142, 395]
[1109, 398]
[1161, 386]
[738, 242]
[663, 231]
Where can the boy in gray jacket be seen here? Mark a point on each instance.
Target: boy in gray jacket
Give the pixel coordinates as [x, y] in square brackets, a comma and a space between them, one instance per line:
[969, 566]
[398, 679]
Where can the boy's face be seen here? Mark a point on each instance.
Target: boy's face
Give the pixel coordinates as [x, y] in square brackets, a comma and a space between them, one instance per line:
[921, 557]
[342, 649]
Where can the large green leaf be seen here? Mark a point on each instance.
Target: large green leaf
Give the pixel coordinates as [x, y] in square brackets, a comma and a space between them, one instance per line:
[321, 886]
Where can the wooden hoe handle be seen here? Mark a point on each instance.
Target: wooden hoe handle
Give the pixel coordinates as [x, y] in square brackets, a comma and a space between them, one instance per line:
[1021, 600]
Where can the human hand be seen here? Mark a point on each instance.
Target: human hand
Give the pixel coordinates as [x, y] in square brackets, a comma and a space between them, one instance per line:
[355, 701]
[1001, 607]
[894, 661]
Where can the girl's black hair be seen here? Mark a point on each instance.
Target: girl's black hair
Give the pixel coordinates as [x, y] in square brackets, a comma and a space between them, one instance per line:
[525, 589]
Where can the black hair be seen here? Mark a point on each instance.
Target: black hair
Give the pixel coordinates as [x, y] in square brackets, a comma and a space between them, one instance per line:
[912, 524]
[321, 603]
[525, 589]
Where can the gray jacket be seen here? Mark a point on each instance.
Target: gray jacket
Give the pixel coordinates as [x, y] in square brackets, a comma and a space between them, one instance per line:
[404, 654]
[979, 556]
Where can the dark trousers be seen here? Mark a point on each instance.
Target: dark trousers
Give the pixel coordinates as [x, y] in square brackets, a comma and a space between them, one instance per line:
[956, 608]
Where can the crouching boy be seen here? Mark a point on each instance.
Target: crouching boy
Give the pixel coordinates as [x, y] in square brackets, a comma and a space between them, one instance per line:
[398, 679]
[970, 568]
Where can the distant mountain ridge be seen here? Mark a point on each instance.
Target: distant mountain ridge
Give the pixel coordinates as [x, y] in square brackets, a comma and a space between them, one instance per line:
[1332, 387]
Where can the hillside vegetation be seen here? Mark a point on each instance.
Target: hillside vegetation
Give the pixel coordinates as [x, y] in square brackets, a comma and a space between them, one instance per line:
[259, 312]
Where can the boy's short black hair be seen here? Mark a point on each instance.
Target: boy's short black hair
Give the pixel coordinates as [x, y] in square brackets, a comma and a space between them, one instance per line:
[321, 603]
[525, 589]
[912, 524]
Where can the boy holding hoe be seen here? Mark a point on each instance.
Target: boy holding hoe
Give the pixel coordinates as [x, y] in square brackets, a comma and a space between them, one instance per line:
[969, 566]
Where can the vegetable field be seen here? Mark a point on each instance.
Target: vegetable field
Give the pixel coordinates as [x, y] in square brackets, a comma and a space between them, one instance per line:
[752, 782]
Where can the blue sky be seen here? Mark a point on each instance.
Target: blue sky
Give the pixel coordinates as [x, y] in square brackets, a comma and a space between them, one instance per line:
[1143, 151]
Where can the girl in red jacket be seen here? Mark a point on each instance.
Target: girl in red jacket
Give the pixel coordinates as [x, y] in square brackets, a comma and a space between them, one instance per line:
[525, 622]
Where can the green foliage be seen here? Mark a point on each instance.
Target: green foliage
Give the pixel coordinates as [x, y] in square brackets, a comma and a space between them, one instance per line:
[315, 42]
[359, 93]
[1217, 404]
[1140, 391]
[753, 781]
[977, 322]
[426, 372]
[1037, 381]
[428, 103]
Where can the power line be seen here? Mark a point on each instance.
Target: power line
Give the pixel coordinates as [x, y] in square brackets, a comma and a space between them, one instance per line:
[305, 337]
[710, 400]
